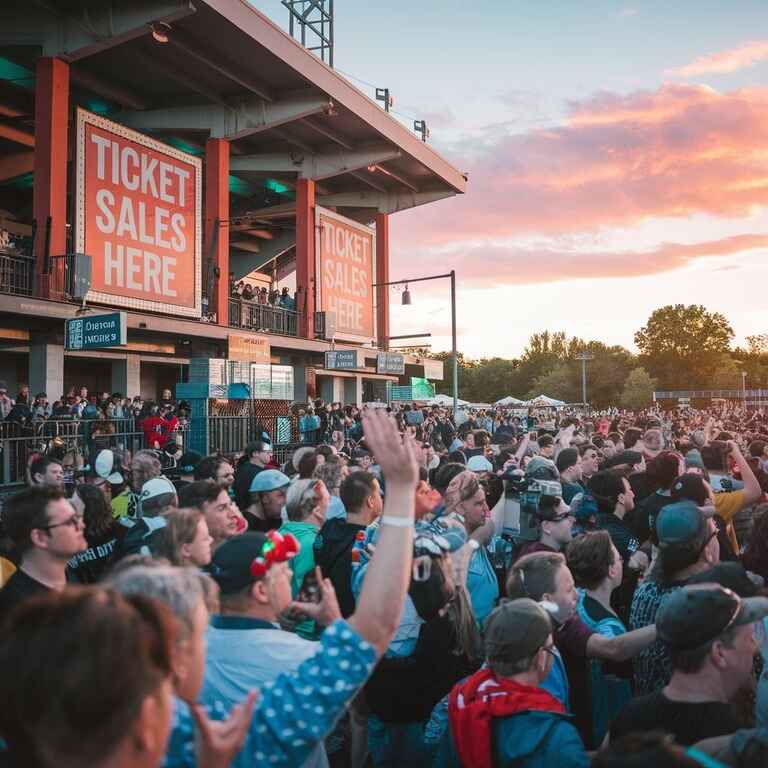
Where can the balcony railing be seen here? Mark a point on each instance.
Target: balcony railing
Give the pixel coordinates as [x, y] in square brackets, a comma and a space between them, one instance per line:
[16, 274]
[263, 317]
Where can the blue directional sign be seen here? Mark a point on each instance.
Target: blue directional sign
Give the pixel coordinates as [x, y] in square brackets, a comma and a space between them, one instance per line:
[96, 331]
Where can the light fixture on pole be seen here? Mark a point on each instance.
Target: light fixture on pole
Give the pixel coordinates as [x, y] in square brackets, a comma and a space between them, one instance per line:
[744, 387]
[160, 30]
[406, 301]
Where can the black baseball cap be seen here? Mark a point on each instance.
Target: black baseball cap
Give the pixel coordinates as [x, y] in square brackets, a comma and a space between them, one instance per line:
[697, 614]
[188, 461]
[231, 563]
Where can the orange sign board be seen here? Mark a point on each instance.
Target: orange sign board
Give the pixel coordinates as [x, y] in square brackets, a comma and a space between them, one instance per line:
[249, 349]
[346, 264]
[138, 214]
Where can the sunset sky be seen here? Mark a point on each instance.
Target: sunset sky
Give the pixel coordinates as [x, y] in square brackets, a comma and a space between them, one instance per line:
[617, 157]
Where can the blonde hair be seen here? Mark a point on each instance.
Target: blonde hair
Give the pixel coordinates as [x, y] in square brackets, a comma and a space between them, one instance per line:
[180, 528]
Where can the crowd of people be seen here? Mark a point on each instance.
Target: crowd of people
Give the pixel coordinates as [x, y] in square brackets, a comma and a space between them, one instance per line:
[418, 588]
[265, 296]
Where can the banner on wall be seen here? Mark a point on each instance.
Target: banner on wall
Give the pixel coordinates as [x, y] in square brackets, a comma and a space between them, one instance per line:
[346, 264]
[138, 216]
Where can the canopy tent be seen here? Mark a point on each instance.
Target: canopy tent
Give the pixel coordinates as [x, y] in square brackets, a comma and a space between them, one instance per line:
[509, 401]
[542, 401]
[446, 401]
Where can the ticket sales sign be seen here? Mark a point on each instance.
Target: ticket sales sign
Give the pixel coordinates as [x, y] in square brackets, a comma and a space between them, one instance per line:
[96, 331]
[138, 215]
[346, 263]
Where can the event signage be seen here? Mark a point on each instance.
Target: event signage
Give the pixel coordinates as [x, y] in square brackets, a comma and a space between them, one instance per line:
[390, 362]
[96, 331]
[341, 360]
[138, 216]
[421, 389]
[345, 268]
[433, 369]
[249, 348]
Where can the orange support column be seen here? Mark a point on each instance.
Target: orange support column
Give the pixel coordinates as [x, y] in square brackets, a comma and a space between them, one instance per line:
[305, 257]
[50, 164]
[382, 276]
[216, 246]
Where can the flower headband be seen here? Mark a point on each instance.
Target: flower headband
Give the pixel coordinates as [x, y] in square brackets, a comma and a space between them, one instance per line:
[276, 549]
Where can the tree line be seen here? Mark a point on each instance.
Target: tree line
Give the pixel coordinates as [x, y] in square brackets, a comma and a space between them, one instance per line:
[679, 347]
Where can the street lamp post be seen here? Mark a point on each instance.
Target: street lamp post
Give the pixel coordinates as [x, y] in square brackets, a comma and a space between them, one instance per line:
[584, 356]
[744, 388]
[407, 300]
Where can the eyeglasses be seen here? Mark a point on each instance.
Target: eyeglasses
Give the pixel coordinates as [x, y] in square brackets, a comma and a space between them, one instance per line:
[560, 518]
[75, 521]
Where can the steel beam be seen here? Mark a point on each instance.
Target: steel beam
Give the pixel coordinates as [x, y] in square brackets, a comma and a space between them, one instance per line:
[383, 202]
[317, 166]
[250, 116]
[16, 164]
[103, 25]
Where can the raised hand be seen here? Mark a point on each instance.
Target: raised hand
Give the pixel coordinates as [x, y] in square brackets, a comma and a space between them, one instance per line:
[398, 458]
[219, 741]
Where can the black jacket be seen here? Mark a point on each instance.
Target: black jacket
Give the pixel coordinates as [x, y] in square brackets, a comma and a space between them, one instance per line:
[333, 553]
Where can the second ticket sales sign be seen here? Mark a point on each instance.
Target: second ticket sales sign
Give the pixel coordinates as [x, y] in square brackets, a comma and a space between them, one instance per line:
[138, 216]
[346, 265]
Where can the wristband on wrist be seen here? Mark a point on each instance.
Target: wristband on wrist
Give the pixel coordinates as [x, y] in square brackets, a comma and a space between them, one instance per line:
[397, 522]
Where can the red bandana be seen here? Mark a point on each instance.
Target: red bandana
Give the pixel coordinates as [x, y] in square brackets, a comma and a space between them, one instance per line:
[480, 698]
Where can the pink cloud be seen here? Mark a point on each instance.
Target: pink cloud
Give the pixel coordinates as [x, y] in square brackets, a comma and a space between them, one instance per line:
[746, 55]
[616, 161]
[485, 265]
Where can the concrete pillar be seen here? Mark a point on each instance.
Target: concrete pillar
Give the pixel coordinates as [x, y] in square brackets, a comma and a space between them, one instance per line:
[359, 390]
[49, 202]
[382, 276]
[300, 382]
[46, 369]
[217, 226]
[305, 257]
[126, 376]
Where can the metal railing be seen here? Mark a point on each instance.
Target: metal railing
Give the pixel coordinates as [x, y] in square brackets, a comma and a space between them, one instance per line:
[16, 274]
[75, 440]
[263, 317]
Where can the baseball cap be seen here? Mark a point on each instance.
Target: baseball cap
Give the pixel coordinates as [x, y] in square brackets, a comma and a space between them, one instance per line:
[448, 538]
[624, 457]
[188, 461]
[105, 467]
[232, 560]
[583, 506]
[542, 469]
[157, 487]
[697, 614]
[515, 630]
[479, 464]
[679, 523]
[690, 487]
[269, 480]
[693, 459]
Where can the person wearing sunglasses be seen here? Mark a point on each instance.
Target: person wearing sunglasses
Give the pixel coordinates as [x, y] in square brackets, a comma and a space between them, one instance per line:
[501, 715]
[555, 522]
[47, 532]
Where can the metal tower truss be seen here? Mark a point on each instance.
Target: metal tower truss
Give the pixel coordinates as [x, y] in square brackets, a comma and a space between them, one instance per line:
[311, 22]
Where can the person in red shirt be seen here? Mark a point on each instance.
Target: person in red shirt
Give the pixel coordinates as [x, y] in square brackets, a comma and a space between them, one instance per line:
[157, 426]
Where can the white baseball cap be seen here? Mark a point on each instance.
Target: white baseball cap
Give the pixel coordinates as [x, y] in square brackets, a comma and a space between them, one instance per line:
[104, 466]
[479, 464]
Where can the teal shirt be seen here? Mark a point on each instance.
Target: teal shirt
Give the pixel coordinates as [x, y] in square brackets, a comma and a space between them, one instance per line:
[302, 564]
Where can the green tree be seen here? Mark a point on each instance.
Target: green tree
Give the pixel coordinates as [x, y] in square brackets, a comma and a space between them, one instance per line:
[558, 382]
[681, 345]
[638, 389]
